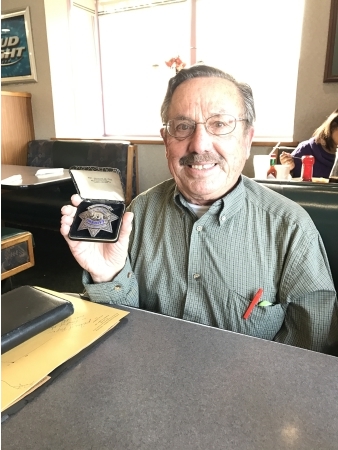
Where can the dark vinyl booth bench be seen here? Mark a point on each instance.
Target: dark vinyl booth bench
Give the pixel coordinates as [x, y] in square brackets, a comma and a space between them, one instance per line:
[41, 207]
[320, 200]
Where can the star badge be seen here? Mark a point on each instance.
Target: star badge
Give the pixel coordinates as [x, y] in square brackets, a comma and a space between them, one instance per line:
[96, 218]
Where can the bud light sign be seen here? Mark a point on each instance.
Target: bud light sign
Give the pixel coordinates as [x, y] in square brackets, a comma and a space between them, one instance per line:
[17, 58]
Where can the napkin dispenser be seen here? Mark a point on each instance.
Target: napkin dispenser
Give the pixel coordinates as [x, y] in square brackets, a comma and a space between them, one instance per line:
[99, 215]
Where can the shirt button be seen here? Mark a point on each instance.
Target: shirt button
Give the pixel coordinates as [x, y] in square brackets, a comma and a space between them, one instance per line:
[117, 288]
[199, 228]
[129, 274]
[196, 276]
[223, 218]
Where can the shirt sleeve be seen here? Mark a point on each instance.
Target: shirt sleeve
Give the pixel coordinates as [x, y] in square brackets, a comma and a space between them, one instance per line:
[122, 290]
[308, 295]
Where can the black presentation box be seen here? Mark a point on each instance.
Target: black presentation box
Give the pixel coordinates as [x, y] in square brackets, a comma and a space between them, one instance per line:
[99, 215]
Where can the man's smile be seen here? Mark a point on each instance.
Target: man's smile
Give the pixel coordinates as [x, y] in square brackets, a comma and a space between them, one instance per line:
[202, 167]
[201, 162]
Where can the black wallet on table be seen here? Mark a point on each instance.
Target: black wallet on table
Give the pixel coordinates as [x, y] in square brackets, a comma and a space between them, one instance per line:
[27, 311]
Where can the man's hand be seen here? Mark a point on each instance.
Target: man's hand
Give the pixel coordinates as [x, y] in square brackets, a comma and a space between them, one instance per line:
[287, 159]
[102, 260]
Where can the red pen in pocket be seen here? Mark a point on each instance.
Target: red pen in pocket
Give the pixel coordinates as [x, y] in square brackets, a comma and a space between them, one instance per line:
[253, 303]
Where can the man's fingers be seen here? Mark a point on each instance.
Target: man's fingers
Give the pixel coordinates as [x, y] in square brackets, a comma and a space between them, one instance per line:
[76, 199]
[68, 210]
[64, 230]
[67, 217]
[127, 226]
[127, 222]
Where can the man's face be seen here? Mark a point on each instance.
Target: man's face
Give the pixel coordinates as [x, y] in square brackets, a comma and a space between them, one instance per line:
[203, 165]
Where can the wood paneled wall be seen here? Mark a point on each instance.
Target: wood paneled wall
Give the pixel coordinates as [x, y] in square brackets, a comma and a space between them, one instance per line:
[17, 127]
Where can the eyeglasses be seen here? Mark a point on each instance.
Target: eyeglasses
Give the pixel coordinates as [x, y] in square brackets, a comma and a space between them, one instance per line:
[217, 124]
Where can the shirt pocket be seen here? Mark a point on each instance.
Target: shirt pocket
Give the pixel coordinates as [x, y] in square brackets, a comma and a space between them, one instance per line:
[264, 321]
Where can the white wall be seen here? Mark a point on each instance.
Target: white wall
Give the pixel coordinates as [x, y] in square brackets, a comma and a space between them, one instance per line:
[42, 100]
[153, 167]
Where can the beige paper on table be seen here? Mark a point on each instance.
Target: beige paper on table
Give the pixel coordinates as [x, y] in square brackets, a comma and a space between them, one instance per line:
[27, 366]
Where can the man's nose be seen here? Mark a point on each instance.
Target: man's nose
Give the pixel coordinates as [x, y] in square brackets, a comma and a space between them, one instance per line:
[201, 140]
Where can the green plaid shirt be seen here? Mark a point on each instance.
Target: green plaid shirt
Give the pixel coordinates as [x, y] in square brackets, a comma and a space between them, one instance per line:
[207, 270]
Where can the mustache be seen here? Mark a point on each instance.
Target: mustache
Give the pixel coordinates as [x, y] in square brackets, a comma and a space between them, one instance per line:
[206, 158]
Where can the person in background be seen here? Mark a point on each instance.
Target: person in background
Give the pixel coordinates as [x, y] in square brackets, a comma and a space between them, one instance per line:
[322, 145]
[202, 245]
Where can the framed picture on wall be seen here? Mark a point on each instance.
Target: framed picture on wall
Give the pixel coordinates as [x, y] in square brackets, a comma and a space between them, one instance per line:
[17, 54]
[331, 62]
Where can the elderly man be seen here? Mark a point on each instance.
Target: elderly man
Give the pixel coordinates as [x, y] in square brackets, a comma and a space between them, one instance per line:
[204, 243]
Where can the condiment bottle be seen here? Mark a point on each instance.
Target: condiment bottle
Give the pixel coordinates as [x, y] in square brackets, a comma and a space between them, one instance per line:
[272, 172]
[307, 167]
[333, 177]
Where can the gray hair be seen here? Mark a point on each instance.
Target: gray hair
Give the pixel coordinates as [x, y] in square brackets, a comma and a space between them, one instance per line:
[196, 71]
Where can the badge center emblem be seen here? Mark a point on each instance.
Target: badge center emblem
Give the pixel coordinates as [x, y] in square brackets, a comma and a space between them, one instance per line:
[97, 217]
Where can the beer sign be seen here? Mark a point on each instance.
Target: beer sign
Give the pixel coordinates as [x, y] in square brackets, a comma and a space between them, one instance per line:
[17, 55]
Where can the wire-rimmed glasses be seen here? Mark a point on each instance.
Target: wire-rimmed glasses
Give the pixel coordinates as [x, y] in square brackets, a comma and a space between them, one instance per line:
[217, 124]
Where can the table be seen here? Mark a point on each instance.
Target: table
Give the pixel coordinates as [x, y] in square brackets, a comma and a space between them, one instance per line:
[298, 182]
[29, 180]
[160, 383]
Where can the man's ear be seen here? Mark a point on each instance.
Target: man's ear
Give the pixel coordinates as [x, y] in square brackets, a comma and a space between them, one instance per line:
[249, 138]
[163, 134]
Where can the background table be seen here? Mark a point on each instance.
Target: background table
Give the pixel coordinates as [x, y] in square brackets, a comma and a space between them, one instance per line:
[298, 182]
[29, 179]
[162, 383]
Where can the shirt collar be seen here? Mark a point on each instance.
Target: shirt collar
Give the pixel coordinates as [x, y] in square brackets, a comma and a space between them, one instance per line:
[225, 207]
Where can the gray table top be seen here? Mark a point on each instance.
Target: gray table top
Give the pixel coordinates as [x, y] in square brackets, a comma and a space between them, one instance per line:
[29, 179]
[163, 383]
[298, 182]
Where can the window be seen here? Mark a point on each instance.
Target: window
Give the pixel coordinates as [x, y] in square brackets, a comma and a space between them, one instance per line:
[134, 47]
[86, 73]
[257, 42]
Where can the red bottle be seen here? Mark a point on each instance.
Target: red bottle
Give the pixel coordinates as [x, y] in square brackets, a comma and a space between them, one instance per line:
[307, 167]
[272, 172]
